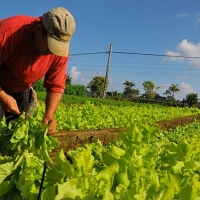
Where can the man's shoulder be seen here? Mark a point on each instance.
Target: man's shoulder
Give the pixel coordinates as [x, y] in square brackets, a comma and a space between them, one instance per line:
[16, 21]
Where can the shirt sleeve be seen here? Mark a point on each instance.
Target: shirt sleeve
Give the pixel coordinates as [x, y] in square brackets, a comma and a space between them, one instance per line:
[11, 30]
[6, 46]
[56, 76]
[1, 50]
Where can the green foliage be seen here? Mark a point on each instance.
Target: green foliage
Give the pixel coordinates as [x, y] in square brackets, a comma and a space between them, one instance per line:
[25, 147]
[96, 86]
[72, 99]
[192, 100]
[76, 90]
[145, 163]
[173, 88]
[129, 92]
[150, 90]
[39, 85]
[68, 80]
[91, 116]
[170, 92]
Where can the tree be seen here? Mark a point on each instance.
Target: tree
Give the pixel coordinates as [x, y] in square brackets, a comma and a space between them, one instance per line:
[168, 93]
[111, 94]
[96, 86]
[174, 89]
[76, 90]
[192, 100]
[129, 91]
[68, 80]
[150, 90]
[159, 98]
[136, 93]
[118, 96]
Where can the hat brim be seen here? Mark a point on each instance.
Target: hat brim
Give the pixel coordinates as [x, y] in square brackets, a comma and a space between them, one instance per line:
[57, 47]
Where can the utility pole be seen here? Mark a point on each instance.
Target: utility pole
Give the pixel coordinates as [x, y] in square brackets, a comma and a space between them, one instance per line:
[107, 71]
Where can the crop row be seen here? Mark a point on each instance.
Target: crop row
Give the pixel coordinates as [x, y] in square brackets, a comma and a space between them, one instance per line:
[90, 116]
[146, 163]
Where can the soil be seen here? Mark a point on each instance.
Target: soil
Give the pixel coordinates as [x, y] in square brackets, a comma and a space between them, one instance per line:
[73, 139]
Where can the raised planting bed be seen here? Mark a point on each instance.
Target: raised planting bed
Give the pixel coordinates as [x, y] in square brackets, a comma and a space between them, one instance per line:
[73, 139]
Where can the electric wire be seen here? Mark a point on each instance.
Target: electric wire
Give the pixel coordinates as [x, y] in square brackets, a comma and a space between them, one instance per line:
[136, 53]
[152, 54]
[133, 67]
[136, 67]
[82, 54]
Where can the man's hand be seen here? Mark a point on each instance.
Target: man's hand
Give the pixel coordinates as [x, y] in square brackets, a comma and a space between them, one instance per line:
[52, 101]
[52, 124]
[8, 103]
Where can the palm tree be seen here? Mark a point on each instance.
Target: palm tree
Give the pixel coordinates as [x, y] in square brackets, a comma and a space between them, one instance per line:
[174, 89]
[168, 94]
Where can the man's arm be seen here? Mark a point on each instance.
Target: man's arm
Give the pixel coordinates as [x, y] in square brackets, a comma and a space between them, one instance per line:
[8, 103]
[52, 102]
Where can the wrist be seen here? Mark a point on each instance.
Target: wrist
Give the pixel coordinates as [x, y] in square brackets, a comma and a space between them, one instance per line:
[49, 116]
[2, 93]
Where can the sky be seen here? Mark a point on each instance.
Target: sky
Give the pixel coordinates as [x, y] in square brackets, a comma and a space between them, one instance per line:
[152, 40]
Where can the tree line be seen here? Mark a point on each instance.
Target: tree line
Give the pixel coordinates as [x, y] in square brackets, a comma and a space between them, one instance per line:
[98, 84]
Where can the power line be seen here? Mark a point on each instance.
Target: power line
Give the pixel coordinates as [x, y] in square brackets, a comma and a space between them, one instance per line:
[82, 54]
[152, 54]
[134, 67]
[74, 62]
[135, 53]
[121, 73]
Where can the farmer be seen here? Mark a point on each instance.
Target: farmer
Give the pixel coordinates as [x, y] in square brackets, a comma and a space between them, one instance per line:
[30, 49]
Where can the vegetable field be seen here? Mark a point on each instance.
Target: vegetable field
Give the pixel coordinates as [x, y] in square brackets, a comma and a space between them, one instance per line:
[90, 116]
[145, 163]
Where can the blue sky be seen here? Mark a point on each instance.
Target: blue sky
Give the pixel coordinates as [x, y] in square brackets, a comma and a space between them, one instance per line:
[170, 27]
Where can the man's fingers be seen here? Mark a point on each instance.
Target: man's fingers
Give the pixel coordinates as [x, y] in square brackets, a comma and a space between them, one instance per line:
[52, 125]
[16, 111]
[45, 121]
[9, 104]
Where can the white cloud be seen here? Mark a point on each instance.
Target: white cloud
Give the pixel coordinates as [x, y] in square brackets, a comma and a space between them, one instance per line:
[174, 56]
[74, 73]
[162, 89]
[98, 74]
[198, 20]
[185, 89]
[182, 15]
[182, 77]
[186, 49]
[82, 78]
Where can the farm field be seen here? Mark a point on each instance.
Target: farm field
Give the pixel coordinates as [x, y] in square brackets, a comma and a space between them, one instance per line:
[145, 163]
[91, 116]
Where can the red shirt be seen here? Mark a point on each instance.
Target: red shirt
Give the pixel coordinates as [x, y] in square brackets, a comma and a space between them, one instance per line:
[20, 64]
